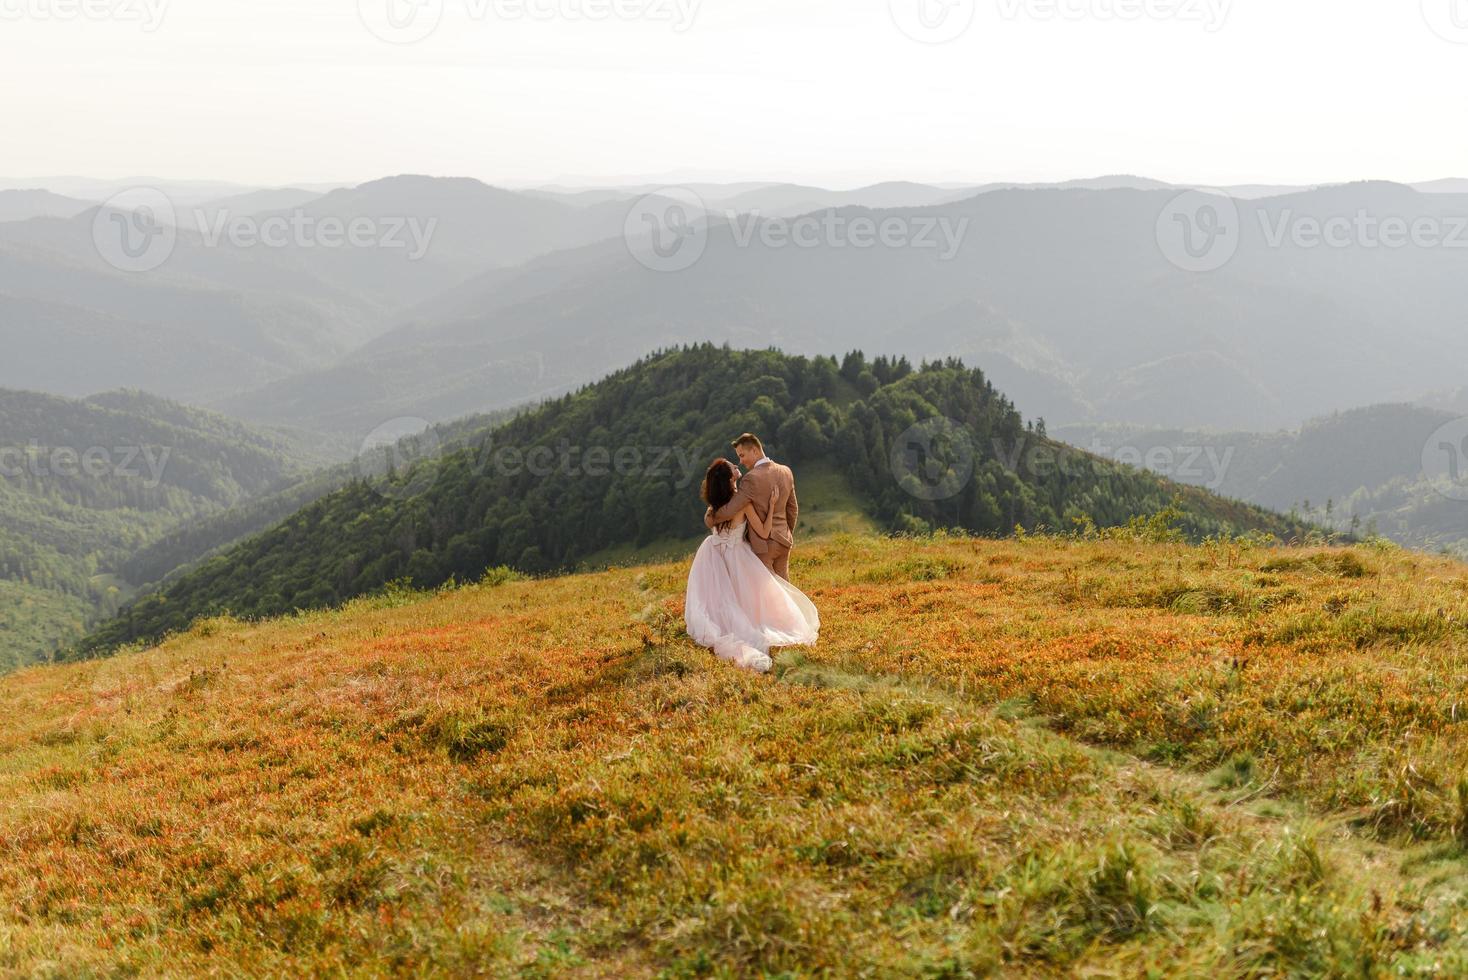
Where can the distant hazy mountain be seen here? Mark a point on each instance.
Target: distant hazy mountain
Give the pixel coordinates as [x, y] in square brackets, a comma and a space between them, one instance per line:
[613, 190]
[1452, 185]
[210, 320]
[786, 199]
[224, 315]
[18, 205]
[582, 198]
[1451, 400]
[794, 199]
[71, 350]
[467, 228]
[98, 190]
[1365, 466]
[1062, 294]
[1131, 182]
[1113, 182]
[200, 217]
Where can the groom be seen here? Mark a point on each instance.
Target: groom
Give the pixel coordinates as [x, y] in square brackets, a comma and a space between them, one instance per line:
[763, 475]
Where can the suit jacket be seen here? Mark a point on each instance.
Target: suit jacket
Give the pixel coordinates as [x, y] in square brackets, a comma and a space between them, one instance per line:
[754, 490]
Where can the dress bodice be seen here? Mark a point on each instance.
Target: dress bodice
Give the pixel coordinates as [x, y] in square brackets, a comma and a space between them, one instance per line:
[727, 537]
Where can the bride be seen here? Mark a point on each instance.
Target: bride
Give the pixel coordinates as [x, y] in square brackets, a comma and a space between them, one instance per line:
[735, 604]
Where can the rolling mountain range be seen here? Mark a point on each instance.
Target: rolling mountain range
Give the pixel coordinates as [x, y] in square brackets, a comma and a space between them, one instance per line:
[22, 205]
[1061, 292]
[218, 318]
[1063, 295]
[618, 464]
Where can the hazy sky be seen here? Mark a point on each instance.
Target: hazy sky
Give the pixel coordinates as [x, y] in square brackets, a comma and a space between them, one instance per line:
[828, 91]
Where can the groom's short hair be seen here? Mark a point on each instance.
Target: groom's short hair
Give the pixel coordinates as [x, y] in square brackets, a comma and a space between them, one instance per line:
[748, 439]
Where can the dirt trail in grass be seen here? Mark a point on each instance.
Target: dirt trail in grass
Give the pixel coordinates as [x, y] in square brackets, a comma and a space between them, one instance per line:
[1425, 878]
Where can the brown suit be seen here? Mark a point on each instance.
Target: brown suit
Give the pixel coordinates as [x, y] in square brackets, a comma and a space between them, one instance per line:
[754, 491]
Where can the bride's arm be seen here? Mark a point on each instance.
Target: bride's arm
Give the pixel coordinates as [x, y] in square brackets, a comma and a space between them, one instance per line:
[762, 528]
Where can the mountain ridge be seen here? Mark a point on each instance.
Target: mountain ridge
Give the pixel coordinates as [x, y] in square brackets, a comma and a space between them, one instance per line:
[486, 504]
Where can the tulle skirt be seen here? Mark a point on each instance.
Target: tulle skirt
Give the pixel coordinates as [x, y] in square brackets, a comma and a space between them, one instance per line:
[741, 609]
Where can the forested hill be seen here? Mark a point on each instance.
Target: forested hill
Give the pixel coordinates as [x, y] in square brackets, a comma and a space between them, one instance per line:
[619, 462]
[85, 483]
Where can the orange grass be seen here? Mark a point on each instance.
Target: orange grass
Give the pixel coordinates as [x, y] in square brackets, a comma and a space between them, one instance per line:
[546, 779]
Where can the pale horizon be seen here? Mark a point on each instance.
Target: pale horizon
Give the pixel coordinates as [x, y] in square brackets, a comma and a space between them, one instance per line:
[270, 93]
[572, 183]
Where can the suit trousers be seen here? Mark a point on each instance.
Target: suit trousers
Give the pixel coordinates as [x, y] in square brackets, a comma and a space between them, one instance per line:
[776, 557]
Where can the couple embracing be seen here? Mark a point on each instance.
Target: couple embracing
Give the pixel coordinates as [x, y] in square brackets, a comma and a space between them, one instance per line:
[740, 601]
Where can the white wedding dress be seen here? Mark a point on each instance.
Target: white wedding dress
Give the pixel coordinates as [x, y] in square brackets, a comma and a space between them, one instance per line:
[739, 607]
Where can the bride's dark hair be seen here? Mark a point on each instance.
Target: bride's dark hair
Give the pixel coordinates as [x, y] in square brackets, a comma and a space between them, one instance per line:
[718, 485]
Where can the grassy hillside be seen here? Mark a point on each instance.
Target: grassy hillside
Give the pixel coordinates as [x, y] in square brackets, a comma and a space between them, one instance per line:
[1046, 757]
[613, 472]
